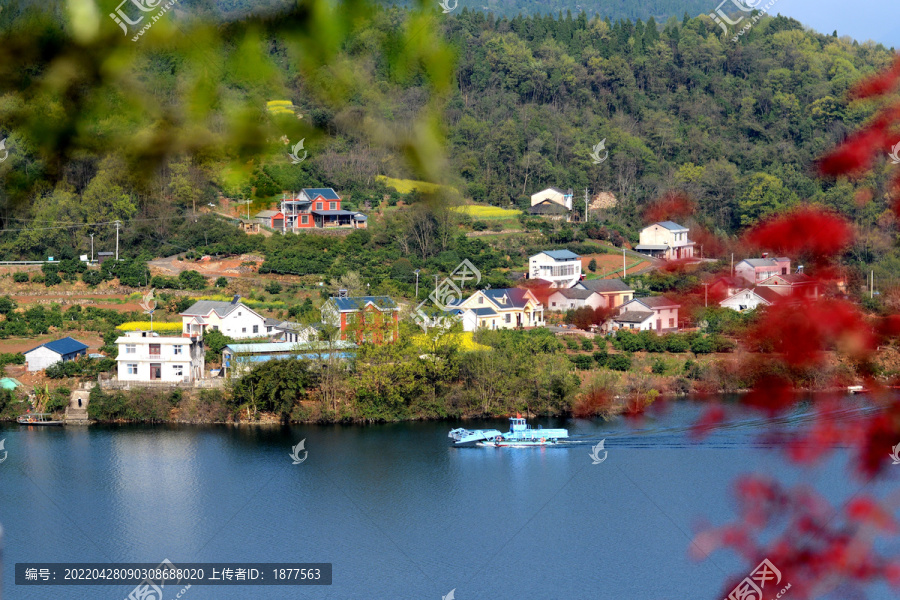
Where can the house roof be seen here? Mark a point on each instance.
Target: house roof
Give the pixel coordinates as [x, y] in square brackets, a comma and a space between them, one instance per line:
[201, 308]
[334, 213]
[560, 254]
[484, 311]
[655, 302]
[548, 207]
[10, 383]
[518, 298]
[650, 247]
[633, 316]
[671, 226]
[291, 326]
[265, 214]
[553, 189]
[767, 294]
[327, 193]
[266, 347]
[730, 281]
[270, 322]
[605, 286]
[574, 293]
[351, 304]
[62, 346]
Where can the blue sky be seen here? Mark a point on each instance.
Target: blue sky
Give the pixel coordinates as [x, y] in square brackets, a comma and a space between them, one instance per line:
[878, 20]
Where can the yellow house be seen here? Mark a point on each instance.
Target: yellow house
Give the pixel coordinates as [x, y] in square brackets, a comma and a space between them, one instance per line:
[507, 308]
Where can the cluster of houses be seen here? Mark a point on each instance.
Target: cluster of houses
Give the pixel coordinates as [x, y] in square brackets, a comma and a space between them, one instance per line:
[762, 282]
[310, 209]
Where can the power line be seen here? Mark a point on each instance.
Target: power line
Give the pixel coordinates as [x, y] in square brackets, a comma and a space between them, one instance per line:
[89, 224]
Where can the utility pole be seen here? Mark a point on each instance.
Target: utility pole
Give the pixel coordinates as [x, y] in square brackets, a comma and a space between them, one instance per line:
[417, 284]
[585, 205]
[706, 294]
[732, 264]
[872, 285]
[624, 268]
[248, 208]
[92, 248]
[117, 241]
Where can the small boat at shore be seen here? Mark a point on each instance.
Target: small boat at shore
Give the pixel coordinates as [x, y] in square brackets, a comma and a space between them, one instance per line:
[520, 435]
[37, 419]
[857, 389]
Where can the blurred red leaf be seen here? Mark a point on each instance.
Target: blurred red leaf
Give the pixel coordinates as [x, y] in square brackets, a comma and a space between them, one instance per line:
[878, 84]
[805, 230]
[672, 206]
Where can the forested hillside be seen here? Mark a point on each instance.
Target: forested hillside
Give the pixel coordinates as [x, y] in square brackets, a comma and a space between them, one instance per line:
[518, 102]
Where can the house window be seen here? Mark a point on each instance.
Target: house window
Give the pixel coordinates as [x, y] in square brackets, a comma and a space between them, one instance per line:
[370, 317]
[626, 298]
[553, 304]
[507, 317]
[318, 206]
[130, 348]
[304, 219]
[239, 313]
[332, 206]
[155, 349]
[243, 330]
[256, 329]
[215, 327]
[177, 349]
[480, 299]
[178, 370]
[132, 368]
[671, 323]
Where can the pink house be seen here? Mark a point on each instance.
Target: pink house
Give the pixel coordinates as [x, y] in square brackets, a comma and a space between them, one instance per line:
[755, 270]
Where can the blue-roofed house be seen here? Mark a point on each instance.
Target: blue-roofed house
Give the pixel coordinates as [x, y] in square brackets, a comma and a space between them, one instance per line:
[60, 350]
[506, 308]
[373, 319]
[561, 268]
[667, 240]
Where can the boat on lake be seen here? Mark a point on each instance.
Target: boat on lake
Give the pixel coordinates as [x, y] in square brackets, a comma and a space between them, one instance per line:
[37, 419]
[520, 435]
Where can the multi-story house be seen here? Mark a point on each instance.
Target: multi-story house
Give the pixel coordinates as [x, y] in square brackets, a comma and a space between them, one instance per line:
[234, 319]
[148, 356]
[569, 298]
[665, 311]
[507, 308]
[748, 299]
[560, 267]
[312, 208]
[373, 319]
[666, 240]
[755, 270]
[613, 292]
[555, 195]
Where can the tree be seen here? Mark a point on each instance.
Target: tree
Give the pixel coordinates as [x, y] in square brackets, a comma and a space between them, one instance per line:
[275, 385]
[349, 281]
[763, 195]
[273, 287]
[592, 266]
[221, 282]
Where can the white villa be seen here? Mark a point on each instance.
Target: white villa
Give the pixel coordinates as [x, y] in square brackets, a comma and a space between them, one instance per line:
[664, 312]
[231, 318]
[555, 195]
[500, 309]
[568, 298]
[148, 356]
[560, 267]
[748, 299]
[666, 240]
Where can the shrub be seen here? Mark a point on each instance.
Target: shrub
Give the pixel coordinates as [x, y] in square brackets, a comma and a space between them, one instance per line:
[592, 266]
[722, 344]
[273, 287]
[586, 344]
[675, 342]
[600, 357]
[479, 225]
[619, 362]
[652, 342]
[38, 278]
[627, 341]
[571, 343]
[7, 305]
[92, 277]
[52, 279]
[600, 341]
[658, 367]
[702, 345]
[692, 370]
[192, 280]
[221, 282]
[582, 361]
[20, 277]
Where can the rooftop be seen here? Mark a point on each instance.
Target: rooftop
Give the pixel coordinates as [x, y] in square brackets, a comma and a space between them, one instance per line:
[346, 304]
[605, 286]
[633, 316]
[201, 308]
[656, 302]
[575, 293]
[672, 226]
[61, 346]
[560, 254]
[327, 193]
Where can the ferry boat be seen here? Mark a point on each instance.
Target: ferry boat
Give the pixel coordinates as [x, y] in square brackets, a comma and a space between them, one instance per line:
[37, 419]
[520, 435]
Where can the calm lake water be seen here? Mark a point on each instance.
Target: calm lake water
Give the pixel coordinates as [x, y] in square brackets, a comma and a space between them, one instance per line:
[398, 512]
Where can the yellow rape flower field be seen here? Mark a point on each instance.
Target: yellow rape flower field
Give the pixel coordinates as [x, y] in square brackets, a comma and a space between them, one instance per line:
[487, 212]
[145, 326]
[464, 341]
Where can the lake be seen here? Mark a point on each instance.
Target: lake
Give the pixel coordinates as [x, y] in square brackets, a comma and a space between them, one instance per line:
[398, 512]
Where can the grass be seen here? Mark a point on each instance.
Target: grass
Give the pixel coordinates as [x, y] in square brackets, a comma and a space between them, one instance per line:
[488, 212]
[405, 186]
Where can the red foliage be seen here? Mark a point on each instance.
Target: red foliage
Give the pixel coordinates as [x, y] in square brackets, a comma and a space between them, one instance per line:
[879, 84]
[709, 420]
[672, 206]
[713, 245]
[803, 231]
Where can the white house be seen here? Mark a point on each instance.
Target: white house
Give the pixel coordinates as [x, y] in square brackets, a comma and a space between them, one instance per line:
[792, 284]
[665, 311]
[287, 331]
[60, 350]
[148, 356]
[755, 270]
[666, 240]
[634, 319]
[568, 298]
[500, 309]
[748, 299]
[612, 292]
[560, 267]
[554, 195]
[231, 318]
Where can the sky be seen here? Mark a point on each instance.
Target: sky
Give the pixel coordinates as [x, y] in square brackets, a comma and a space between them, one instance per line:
[863, 20]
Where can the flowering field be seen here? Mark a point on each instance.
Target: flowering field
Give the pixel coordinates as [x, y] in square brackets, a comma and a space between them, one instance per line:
[487, 212]
[145, 326]
[405, 186]
[463, 341]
